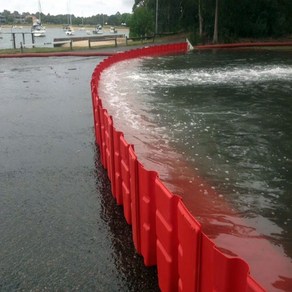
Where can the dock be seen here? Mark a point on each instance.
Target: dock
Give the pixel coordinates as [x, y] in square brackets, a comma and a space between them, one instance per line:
[58, 42]
[13, 34]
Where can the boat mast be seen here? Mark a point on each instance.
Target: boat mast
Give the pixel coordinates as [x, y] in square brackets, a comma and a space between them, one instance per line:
[40, 10]
[69, 13]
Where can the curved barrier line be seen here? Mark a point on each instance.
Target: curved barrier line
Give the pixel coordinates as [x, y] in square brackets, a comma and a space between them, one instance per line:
[164, 232]
[244, 45]
[93, 54]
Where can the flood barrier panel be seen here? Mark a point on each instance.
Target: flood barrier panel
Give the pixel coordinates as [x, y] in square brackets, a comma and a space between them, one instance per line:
[164, 232]
[244, 45]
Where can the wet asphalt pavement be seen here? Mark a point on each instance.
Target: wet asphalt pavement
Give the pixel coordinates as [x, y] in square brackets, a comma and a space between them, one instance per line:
[60, 228]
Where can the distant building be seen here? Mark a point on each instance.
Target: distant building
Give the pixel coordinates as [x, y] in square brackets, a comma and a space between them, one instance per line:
[2, 19]
[19, 19]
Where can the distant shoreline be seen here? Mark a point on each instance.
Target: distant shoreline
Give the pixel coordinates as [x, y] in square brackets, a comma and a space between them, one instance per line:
[28, 25]
[276, 44]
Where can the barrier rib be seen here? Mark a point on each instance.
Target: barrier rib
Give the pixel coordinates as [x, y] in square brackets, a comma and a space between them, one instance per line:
[109, 149]
[189, 230]
[146, 211]
[164, 231]
[117, 191]
[125, 177]
[167, 238]
[134, 183]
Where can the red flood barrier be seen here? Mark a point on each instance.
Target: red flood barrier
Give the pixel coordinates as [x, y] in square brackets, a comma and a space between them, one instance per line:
[244, 45]
[147, 209]
[125, 178]
[164, 232]
[188, 231]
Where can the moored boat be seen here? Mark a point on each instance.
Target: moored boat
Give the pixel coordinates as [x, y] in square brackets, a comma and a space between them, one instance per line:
[98, 29]
[113, 29]
[37, 29]
[68, 30]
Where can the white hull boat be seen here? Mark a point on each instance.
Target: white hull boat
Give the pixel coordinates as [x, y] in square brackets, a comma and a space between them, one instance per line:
[38, 30]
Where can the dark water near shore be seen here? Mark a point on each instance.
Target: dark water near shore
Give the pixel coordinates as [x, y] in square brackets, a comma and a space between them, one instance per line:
[223, 119]
[60, 228]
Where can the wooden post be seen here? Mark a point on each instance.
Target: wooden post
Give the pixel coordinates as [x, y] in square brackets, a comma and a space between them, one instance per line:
[71, 45]
[23, 38]
[13, 40]
[89, 44]
[116, 43]
[32, 39]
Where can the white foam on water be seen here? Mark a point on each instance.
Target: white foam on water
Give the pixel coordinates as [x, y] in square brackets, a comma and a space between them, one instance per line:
[128, 90]
[119, 95]
[226, 75]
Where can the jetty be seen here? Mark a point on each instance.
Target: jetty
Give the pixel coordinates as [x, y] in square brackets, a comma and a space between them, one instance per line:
[23, 43]
[58, 42]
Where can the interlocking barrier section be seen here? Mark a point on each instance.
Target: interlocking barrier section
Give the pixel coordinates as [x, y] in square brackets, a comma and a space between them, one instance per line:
[164, 231]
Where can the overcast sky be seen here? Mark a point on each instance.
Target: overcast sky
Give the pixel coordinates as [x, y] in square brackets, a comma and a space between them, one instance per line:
[77, 7]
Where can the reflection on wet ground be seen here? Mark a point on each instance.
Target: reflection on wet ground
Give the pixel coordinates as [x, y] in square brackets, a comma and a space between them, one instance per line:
[60, 226]
[129, 264]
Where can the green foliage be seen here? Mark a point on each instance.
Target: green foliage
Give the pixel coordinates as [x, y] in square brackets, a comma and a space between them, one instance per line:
[61, 19]
[237, 19]
[141, 23]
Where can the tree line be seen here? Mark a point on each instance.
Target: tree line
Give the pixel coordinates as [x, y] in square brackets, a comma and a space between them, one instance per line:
[61, 19]
[205, 20]
[213, 20]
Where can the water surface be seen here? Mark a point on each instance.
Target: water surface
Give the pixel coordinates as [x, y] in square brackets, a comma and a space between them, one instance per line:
[217, 127]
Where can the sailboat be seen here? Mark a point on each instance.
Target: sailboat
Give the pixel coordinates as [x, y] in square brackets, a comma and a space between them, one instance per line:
[69, 29]
[37, 29]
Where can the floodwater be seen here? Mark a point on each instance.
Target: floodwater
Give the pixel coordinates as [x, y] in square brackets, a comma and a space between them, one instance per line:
[60, 227]
[217, 127]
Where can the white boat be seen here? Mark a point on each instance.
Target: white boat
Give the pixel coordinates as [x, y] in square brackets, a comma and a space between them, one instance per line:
[98, 29]
[37, 29]
[69, 30]
[113, 29]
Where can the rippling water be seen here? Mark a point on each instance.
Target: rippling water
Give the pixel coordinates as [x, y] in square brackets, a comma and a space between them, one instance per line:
[217, 127]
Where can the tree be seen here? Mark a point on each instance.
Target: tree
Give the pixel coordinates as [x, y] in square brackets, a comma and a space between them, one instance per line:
[200, 18]
[140, 3]
[142, 23]
[115, 19]
[126, 18]
[236, 19]
[215, 36]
